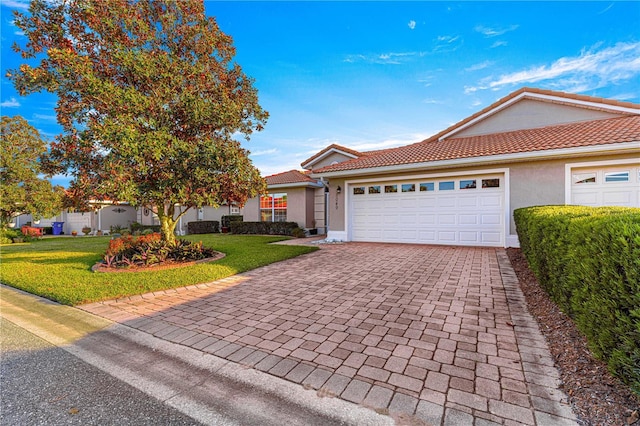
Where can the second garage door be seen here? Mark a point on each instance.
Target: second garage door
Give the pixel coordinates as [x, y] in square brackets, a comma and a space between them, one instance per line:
[466, 210]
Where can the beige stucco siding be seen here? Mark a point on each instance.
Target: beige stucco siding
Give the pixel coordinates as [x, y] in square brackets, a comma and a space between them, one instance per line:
[528, 114]
[334, 157]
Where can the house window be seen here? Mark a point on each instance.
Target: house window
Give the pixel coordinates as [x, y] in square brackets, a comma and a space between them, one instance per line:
[389, 189]
[408, 187]
[468, 184]
[273, 208]
[358, 190]
[580, 178]
[616, 177]
[374, 189]
[491, 183]
[427, 186]
[446, 186]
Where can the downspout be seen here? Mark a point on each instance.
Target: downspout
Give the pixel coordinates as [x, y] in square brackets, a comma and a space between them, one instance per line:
[326, 205]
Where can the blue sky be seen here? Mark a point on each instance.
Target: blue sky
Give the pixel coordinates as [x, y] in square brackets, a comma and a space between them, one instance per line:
[371, 75]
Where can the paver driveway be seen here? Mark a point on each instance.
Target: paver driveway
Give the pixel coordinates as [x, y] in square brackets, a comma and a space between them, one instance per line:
[425, 333]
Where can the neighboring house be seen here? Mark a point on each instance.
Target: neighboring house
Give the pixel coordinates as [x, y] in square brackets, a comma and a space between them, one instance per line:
[460, 187]
[103, 217]
[292, 197]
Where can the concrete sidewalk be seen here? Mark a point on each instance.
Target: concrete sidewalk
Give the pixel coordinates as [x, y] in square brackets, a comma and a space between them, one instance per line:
[427, 334]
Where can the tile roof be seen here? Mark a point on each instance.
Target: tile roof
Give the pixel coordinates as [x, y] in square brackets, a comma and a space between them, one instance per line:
[572, 135]
[333, 146]
[292, 176]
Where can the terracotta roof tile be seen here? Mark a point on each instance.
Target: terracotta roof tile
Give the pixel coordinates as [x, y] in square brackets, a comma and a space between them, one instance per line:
[329, 148]
[572, 135]
[292, 176]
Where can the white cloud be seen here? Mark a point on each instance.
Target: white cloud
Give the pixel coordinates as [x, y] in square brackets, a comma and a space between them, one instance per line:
[412, 24]
[606, 9]
[479, 66]
[590, 70]
[625, 96]
[392, 58]
[15, 4]
[494, 32]
[45, 117]
[447, 43]
[264, 152]
[498, 43]
[10, 103]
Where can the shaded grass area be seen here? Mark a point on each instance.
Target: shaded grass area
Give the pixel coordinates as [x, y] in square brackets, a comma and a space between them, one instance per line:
[60, 268]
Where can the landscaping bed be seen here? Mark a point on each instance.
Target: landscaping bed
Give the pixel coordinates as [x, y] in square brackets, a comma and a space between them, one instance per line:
[595, 395]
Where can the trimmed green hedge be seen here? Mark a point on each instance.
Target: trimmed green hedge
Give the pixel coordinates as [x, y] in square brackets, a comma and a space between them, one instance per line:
[225, 221]
[203, 227]
[588, 260]
[263, 228]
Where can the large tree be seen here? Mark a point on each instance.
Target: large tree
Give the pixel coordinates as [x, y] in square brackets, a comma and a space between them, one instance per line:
[22, 187]
[149, 99]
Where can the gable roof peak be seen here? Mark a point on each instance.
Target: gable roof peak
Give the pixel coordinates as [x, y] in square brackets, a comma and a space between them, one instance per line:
[334, 147]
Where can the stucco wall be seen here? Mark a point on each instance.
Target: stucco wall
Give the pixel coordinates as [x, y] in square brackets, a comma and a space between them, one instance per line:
[332, 158]
[527, 114]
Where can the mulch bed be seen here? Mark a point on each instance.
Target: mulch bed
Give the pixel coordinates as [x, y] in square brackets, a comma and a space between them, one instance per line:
[595, 395]
[101, 267]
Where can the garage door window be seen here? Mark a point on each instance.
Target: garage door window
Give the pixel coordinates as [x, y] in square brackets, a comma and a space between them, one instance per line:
[581, 178]
[427, 186]
[446, 186]
[408, 187]
[389, 189]
[491, 183]
[374, 189]
[616, 177]
[468, 184]
[358, 190]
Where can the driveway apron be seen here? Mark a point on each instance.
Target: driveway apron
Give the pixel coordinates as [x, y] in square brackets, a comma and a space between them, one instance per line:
[428, 334]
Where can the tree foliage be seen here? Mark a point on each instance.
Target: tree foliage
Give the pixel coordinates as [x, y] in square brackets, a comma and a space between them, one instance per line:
[22, 190]
[149, 99]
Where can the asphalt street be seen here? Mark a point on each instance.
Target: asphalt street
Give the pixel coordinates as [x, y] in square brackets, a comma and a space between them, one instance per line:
[45, 385]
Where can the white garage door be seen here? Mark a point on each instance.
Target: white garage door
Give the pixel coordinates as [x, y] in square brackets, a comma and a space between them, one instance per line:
[606, 186]
[465, 210]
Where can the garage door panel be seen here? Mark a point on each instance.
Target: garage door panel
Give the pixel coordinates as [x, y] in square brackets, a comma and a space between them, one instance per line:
[460, 216]
[490, 219]
[469, 201]
[446, 219]
[446, 236]
[617, 198]
[468, 219]
[469, 237]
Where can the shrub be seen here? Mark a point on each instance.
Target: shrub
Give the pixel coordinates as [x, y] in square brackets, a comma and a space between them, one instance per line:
[139, 228]
[150, 249]
[7, 235]
[588, 260]
[203, 227]
[227, 219]
[263, 228]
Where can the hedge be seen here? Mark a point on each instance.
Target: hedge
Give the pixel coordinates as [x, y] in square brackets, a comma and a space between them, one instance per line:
[227, 219]
[264, 228]
[588, 260]
[203, 227]
[139, 228]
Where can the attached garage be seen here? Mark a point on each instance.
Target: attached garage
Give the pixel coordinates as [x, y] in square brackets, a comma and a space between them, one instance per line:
[452, 210]
[604, 184]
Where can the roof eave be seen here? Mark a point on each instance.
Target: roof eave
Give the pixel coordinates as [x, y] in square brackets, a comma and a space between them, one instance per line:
[295, 185]
[622, 148]
[308, 164]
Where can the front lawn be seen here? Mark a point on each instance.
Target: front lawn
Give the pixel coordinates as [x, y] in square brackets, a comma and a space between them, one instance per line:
[60, 268]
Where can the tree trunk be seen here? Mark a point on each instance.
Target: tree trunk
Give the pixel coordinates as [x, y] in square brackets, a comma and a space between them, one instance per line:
[167, 227]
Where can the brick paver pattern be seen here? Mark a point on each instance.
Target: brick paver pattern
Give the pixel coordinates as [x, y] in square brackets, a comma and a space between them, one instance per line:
[440, 335]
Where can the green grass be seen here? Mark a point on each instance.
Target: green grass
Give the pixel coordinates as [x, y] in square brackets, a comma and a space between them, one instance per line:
[60, 268]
